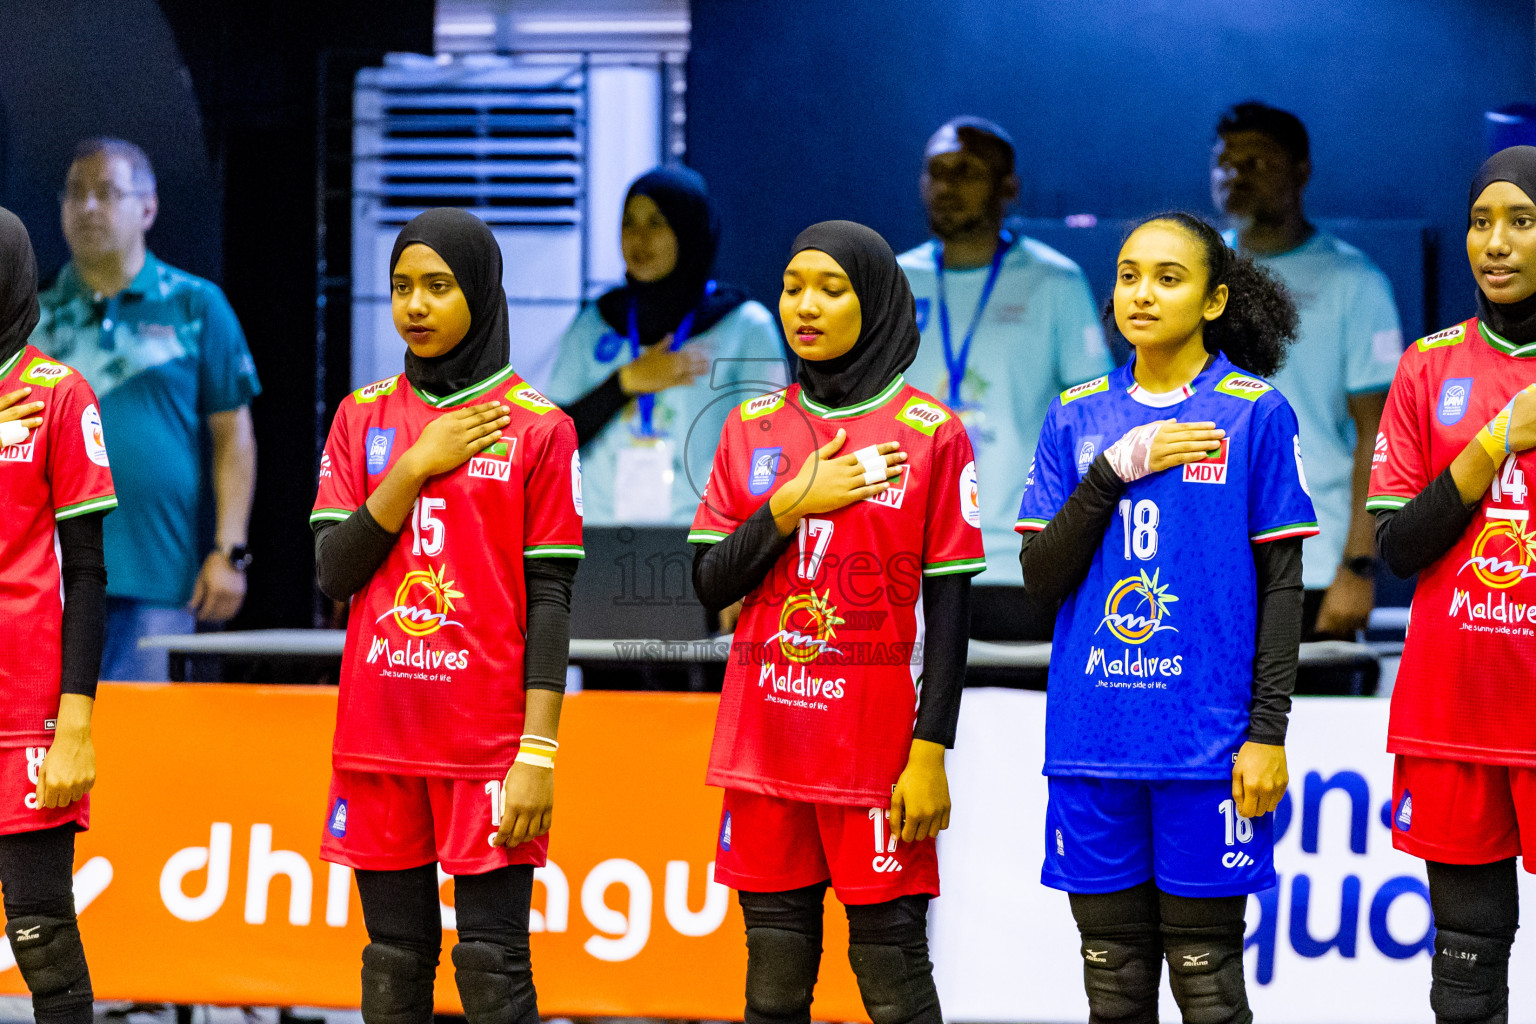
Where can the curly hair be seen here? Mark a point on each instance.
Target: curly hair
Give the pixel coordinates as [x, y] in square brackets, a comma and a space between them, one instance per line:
[1258, 325]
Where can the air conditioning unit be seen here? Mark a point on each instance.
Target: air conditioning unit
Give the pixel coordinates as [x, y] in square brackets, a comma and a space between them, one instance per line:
[541, 150]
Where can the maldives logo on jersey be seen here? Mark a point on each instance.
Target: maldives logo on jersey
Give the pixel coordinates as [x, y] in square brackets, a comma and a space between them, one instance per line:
[1136, 607]
[807, 626]
[765, 469]
[378, 444]
[437, 596]
[1503, 554]
[1455, 394]
[1213, 470]
[495, 462]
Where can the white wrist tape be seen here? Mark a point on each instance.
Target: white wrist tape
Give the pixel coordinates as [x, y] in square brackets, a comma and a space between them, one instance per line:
[873, 463]
[1131, 456]
[12, 432]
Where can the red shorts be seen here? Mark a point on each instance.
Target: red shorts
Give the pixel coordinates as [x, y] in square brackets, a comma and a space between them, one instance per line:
[767, 844]
[18, 795]
[1458, 812]
[384, 822]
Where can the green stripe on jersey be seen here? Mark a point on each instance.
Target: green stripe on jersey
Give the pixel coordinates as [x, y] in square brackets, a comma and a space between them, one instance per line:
[334, 514]
[102, 504]
[705, 537]
[954, 566]
[863, 407]
[465, 394]
[1384, 502]
[1506, 346]
[7, 366]
[1281, 531]
[555, 551]
[1038, 524]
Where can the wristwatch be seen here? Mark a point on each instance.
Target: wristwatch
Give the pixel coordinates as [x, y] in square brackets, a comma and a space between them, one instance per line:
[1364, 566]
[239, 556]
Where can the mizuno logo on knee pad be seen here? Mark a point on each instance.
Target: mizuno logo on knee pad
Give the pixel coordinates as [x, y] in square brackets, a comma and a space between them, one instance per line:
[1197, 959]
[1096, 956]
[28, 934]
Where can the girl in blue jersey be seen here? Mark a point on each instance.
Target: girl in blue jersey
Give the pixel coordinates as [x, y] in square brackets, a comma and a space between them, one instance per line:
[1165, 511]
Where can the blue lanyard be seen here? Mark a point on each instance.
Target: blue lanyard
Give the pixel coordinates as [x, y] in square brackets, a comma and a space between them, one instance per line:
[647, 403]
[954, 362]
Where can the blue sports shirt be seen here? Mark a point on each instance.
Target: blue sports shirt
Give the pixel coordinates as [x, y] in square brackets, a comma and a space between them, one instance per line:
[1152, 660]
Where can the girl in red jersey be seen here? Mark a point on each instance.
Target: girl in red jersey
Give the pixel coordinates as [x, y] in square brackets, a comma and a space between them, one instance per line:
[855, 571]
[55, 487]
[1450, 487]
[449, 512]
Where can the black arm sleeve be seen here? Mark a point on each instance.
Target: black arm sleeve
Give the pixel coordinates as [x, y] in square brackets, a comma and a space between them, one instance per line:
[1277, 639]
[947, 619]
[84, 570]
[596, 409]
[1056, 559]
[348, 553]
[726, 572]
[548, 584]
[1413, 537]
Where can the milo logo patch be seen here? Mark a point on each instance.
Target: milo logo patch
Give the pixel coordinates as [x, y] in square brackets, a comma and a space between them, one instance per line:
[1240, 385]
[1444, 339]
[376, 390]
[1090, 388]
[524, 395]
[761, 405]
[44, 372]
[922, 415]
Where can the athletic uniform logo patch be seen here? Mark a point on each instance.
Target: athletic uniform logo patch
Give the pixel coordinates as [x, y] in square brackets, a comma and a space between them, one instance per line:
[1380, 455]
[1455, 395]
[725, 832]
[525, 396]
[44, 372]
[1086, 450]
[765, 469]
[373, 392]
[1093, 387]
[379, 443]
[19, 452]
[95, 441]
[970, 499]
[576, 482]
[1404, 819]
[1136, 607]
[1240, 385]
[1213, 470]
[337, 826]
[495, 463]
[922, 415]
[761, 406]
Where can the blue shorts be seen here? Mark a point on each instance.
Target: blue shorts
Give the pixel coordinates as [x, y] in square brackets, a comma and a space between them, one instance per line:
[1104, 835]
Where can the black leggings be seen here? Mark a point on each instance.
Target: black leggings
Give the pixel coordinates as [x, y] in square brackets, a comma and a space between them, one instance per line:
[37, 872]
[400, 908]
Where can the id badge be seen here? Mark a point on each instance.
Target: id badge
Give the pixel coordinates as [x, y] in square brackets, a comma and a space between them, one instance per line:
[642, 486]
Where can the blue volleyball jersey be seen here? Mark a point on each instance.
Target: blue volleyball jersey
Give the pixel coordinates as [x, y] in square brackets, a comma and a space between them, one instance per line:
[1152, 660]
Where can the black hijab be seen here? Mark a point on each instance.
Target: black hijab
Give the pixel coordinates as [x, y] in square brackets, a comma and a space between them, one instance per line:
[18, 285]
[470, 250]
[888, 335]
[661, 305]
[1516, 165]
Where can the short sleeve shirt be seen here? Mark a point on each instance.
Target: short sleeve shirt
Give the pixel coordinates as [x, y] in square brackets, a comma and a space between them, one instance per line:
[1152, 660]
[1038, 335]
[162, 355]
[60, 471]
[432, 672]
[826, 665]
[746, 360]
[1348, 343]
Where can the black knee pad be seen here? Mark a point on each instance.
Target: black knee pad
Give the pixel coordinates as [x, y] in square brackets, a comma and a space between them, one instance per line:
[1122, 968]
[1205, 971]
[397, 985]
[495, 984]
[52, 962]
[888, 950]
[781, 975]
[1469, 978]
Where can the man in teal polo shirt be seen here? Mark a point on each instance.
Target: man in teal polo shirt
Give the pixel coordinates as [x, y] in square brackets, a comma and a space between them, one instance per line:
[1341, 365]
[167, 357]
[1007, 323]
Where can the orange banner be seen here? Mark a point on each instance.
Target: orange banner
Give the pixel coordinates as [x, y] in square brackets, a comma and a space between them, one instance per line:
[200, 880]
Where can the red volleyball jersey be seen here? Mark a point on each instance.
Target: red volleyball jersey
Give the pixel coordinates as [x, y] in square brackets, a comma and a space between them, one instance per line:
[821, 691]
[432, 674]
[58, 472]
[1466, 689]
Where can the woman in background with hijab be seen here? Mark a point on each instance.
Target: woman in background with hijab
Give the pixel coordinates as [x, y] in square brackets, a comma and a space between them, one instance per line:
[1451, 491]
[650, 371]
[54, 482]
[844, 511]
[438, 682]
